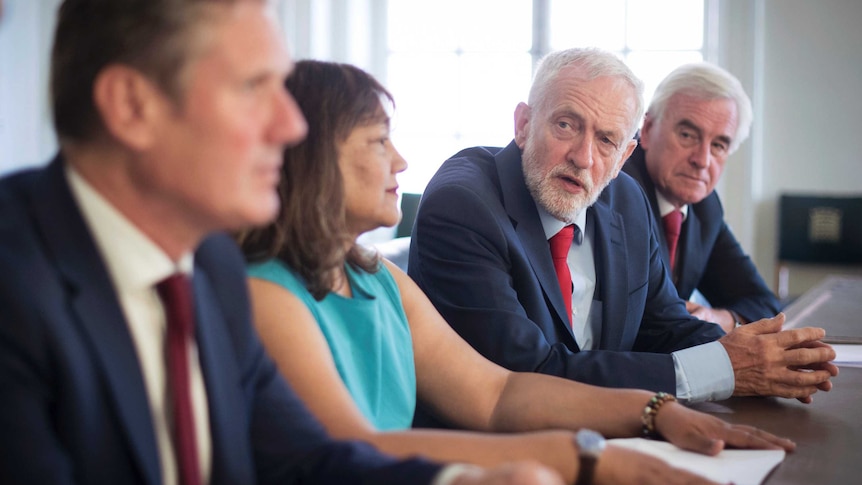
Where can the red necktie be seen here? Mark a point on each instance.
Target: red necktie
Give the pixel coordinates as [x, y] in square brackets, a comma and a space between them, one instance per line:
[176, 295]
[560, 244]
[672, 225]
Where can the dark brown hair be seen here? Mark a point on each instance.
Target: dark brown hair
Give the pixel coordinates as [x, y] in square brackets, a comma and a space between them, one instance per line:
[310, 233]
[156, 37]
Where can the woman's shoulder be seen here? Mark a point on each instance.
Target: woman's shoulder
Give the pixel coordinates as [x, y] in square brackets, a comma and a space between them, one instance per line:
[275, 271]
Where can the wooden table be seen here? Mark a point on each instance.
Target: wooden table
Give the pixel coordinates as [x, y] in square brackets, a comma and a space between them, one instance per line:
[835, 305]
[827, 432]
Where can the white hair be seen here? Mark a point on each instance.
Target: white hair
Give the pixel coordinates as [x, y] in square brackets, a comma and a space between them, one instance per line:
[702, 80]
[594, 63]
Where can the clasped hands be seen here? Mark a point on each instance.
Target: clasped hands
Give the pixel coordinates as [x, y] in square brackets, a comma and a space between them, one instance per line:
[768, 361]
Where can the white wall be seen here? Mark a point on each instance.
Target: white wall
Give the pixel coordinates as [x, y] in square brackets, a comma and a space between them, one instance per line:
[801, 61]
[26, 30]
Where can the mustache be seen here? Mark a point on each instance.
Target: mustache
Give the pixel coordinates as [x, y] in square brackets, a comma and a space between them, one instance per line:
[582, 177]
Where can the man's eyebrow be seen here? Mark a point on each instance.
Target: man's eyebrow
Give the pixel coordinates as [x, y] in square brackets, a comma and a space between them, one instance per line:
[614, 135]
[568, 113]
[684, 123]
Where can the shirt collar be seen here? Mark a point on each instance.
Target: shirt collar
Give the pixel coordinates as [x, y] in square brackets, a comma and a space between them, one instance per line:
[552, 225]
[134, 261]
[665, 207]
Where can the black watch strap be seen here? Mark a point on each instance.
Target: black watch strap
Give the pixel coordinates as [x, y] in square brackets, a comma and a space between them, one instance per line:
[590, 446]
[586, 470]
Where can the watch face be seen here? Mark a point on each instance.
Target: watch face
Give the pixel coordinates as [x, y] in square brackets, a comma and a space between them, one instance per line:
[590, 442]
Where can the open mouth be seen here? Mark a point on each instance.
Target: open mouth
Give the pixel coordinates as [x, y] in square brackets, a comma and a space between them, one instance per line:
[571, 183]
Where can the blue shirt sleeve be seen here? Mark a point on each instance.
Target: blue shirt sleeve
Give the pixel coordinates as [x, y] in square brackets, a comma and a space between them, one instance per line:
[703, 373]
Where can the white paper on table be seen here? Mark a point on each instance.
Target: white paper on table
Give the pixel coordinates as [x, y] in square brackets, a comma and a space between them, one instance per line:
[742, 467]
[848, 355]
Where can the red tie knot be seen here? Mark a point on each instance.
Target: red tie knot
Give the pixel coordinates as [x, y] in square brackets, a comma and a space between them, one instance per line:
[176, 293]
[562, 241]
[673, 222]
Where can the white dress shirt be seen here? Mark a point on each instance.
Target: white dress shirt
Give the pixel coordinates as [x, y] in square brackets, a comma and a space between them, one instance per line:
[135, 265]
[586, 319]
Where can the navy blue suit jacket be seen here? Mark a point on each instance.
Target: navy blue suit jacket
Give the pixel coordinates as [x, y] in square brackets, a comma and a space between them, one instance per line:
[710, 258]
[479, 252]
[73, 405]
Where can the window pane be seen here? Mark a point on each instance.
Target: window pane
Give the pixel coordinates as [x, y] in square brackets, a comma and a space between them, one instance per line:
[432, 26]
[425, 87]
[588, 23]
[459, 101]
[422, 26]
[492, 85]
[665, 24]
[494, 25]
[424, 155]
[652, 67]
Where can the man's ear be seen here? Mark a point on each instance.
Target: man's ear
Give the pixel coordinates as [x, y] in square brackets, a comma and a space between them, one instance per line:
[128, 104]
[522, 122]
[628, 151]
[646, 130]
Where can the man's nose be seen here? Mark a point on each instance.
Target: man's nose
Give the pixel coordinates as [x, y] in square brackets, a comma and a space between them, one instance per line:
[289, 125]
[701, 155]
[581, 152]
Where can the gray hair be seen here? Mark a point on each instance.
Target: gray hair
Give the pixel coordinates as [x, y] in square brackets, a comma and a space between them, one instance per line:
[594, 63]
[702, 80]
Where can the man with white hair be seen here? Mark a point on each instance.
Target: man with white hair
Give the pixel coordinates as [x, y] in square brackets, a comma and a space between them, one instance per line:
[698, 117]
[598, 306]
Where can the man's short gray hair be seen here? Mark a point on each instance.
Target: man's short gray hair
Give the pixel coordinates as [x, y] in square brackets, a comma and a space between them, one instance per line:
[594, 63]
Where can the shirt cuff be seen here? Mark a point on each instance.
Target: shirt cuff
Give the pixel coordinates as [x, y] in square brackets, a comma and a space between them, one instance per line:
[703, 373]
[451, 472]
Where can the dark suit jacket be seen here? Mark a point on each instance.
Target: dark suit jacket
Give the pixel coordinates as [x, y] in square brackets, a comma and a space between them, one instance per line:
[480, 254]
[74, 407]
[710, 258]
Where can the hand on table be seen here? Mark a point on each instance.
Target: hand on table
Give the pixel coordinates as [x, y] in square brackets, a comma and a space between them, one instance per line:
[768, 361]
[703, 433]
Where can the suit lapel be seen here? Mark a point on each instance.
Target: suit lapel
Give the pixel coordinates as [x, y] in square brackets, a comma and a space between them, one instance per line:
[227, 413]
[639, 172]
[521, 209]
[611, 262]
[97, 311]
[689, 257]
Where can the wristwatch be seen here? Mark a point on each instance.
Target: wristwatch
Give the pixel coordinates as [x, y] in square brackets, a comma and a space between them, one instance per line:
[590, 447]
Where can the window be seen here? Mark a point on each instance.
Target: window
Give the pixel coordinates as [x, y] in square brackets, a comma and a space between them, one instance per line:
[458, 68]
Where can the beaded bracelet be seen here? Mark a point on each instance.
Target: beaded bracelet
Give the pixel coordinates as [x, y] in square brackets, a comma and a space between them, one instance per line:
[650, 411]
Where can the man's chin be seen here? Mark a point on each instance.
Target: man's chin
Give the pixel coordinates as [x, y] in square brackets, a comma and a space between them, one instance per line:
[257, 216]
[561, 204]
[568, 212]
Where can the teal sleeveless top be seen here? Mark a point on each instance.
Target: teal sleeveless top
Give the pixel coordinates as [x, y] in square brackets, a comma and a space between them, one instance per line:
[369, 338]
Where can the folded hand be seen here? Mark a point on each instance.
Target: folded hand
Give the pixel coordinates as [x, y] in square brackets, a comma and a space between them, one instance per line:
[768, 361]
